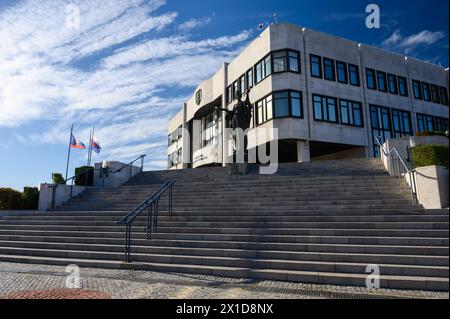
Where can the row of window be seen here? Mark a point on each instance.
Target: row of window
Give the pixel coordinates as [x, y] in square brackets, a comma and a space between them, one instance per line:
[175, 158]
[431, 123]
[279, 105]
[386, 82]
[175, 135]
[332, 70]
[275, 62]
[389, 123]
[327, 109]
[430, 93]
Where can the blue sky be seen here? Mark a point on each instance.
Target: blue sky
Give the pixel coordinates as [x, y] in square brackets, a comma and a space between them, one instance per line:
[130, 65]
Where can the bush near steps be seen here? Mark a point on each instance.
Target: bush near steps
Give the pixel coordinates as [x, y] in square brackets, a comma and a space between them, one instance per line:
[11, 199]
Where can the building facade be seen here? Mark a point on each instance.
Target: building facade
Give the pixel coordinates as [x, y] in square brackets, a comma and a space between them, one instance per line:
[327, 96]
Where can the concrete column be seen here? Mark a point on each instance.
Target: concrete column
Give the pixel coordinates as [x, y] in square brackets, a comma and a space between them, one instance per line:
[303, 154]
[224, 105]
[186, 140]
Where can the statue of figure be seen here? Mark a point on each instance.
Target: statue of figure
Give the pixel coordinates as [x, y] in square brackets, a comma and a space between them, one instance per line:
[239, 118]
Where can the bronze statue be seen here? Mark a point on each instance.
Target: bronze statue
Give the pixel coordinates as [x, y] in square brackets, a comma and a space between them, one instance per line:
[239, 118]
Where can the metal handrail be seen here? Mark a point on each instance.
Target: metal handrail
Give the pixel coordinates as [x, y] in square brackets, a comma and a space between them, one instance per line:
[72, 179]
[151, 204]
[402, 169]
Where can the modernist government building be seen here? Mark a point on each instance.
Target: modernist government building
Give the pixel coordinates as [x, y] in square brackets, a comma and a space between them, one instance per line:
[327, 96]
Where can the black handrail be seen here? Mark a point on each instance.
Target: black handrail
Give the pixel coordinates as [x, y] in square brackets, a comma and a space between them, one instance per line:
[151, 204]
[72, 179]
[402, 168]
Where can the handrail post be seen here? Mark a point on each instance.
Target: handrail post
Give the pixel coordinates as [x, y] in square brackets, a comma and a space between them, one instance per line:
[142, 163]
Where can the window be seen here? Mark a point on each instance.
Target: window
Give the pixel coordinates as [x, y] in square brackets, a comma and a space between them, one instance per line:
[208, 130]
[435, 94]
[401, 123]
[235, 89]
[281, 104]
[381, 126]
[381, 77]
[351, 113]
[341, 68]
[353, 71]
[294, 61]
[229, 94]
[259, 72]
[250, 78]
[296, 104]
[316, 66]
[175, 135]
[425, 123]
[444, 95]
[417, 90]
[279, 61]
[328, 69]
[325, 109]
[371, 80]
[441, 124]
[267, 66]
[402, 86]
[393, 86]
[426, 92]
[242, 84]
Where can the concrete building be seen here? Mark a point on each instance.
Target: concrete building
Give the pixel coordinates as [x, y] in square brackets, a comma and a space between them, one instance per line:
[327, 96]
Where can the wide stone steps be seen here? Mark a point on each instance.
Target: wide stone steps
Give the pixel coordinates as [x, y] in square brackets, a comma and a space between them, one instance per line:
[321, 222]
[398, 282]
[115, 245]
[208, 221]
[318, 266]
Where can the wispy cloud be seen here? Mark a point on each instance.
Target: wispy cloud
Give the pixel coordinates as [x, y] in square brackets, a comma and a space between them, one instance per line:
[195, 23]
[117, 71]
[396, 41]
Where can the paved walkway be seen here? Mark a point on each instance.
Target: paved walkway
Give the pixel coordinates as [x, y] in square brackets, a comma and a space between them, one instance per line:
[130, 284]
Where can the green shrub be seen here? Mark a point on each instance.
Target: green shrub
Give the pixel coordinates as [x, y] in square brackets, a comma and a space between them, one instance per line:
[30, 198]
[427, 155]
[10, 199]
[85, 179]
[57, 178]
[430, 133]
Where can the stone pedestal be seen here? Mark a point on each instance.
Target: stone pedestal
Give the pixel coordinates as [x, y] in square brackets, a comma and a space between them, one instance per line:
[239, 168]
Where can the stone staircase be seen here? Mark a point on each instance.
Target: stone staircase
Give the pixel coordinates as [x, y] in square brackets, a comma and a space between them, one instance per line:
[320, 222]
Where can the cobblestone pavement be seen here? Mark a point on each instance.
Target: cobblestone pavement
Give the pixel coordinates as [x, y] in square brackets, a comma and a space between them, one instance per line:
[131, 284]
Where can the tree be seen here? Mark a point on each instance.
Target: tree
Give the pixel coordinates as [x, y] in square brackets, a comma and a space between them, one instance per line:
[57, 178]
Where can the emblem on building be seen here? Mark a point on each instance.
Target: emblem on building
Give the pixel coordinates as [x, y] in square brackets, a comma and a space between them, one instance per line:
[198, 97]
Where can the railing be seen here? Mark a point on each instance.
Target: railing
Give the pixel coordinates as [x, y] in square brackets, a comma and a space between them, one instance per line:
[396, 166]
[103, 172]
[151, 205]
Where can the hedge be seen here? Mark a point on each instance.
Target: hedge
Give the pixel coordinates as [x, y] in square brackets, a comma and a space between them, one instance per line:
[430, 133]
[10, 199]
[30, 198]
[431, 154]
[85, 179]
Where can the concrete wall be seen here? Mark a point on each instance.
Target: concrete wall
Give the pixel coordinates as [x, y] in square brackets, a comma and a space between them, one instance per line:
[61, 195]
[432, 186]
[114, 179]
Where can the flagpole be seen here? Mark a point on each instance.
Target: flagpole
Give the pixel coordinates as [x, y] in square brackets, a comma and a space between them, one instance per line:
[89, 148]
[68, 153]
[90, 144]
